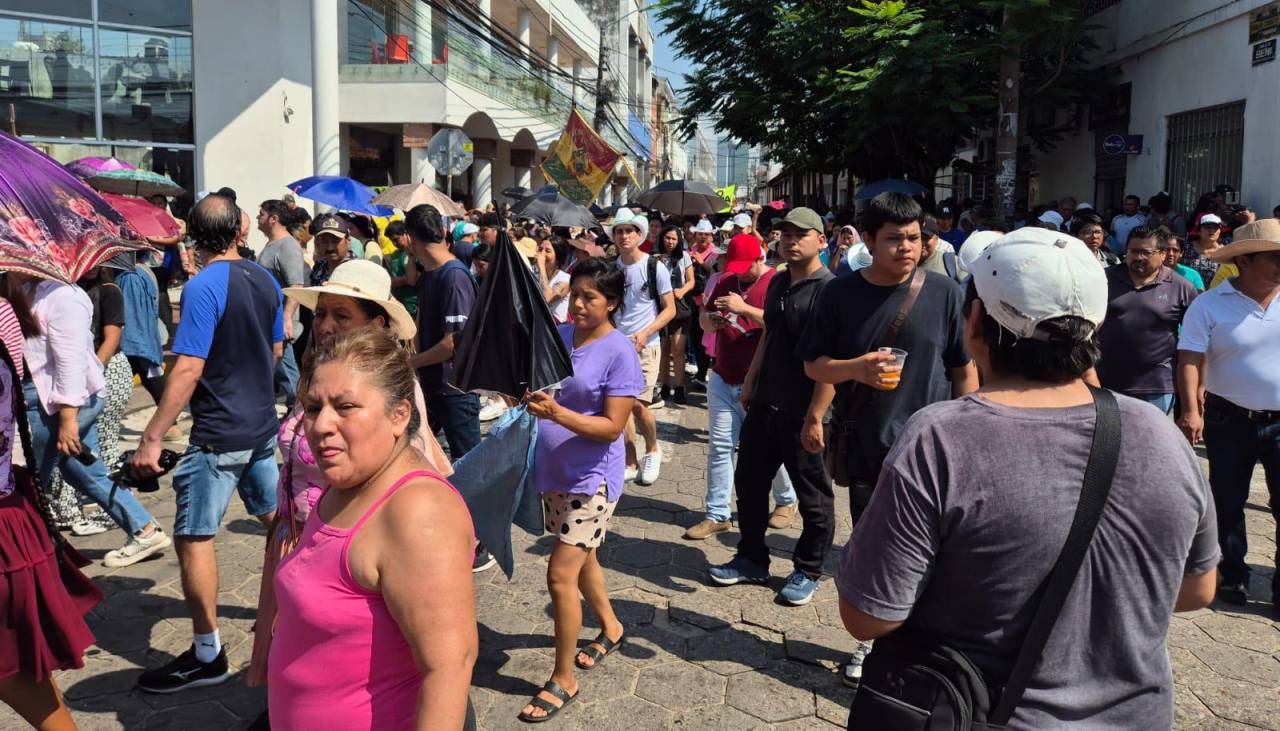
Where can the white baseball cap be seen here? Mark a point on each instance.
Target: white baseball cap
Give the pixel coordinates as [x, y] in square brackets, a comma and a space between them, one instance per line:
[704, 227]
[727, 226]
[628, 217]
[1086, 206]
[1052, 218]
[470, 228]
[973, 248]
[1210, 218]
[1033, 275]
[742, 220]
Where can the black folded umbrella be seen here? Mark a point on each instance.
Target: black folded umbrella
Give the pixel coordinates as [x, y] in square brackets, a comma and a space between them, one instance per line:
[510, 344]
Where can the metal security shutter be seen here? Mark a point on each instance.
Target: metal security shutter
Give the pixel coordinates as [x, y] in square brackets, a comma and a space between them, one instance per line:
[1206, 149]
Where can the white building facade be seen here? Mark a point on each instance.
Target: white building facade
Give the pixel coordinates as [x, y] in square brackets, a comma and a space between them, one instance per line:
[1189, 84]
[254, 94]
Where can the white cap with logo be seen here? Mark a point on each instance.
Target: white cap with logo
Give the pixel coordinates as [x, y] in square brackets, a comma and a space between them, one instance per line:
[1033, 275]
[973, 247]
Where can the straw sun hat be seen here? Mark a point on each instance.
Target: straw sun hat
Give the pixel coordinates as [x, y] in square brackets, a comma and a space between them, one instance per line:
[364, 280]
[1253, 238]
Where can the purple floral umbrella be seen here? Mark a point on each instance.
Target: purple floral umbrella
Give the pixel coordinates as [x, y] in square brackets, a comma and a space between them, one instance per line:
[52, 225]
[87, 167]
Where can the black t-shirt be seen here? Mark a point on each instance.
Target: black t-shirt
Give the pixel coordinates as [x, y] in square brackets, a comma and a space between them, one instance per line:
[1139, 338]
[108, 309]
[781, 382]
[445, 298]
[851, 320]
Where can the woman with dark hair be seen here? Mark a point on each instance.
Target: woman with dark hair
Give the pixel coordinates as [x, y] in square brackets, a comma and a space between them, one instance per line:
[670, 251]
[554, 253]
[579, 472]
[43, 595]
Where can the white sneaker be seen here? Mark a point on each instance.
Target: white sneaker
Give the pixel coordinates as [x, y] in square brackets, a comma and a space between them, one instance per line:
[691, 369]
[87, 527]
[630, 474]
[137, 548]
[492, 410]
[650, 466]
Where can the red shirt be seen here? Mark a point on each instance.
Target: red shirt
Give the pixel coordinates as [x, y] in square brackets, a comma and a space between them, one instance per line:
[736, 342]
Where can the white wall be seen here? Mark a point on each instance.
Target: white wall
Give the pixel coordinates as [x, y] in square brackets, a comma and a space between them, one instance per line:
[252, 61]
[1205, 62]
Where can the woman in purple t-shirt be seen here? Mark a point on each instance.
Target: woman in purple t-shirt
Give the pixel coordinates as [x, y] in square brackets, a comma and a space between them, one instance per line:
[578, 469]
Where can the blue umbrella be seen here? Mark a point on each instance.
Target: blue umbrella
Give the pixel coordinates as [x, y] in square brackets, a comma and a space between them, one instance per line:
[888, 185]
[340, 192]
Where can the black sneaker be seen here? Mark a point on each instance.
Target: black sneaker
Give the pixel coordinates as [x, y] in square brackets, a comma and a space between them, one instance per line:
[664, 393]
[1234, 592]
[483, 561]
[185, 671]
[679, 397]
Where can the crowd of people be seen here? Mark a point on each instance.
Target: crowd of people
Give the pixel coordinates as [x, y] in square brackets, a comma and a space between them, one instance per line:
[948, 366]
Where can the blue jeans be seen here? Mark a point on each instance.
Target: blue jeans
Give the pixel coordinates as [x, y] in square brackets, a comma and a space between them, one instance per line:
[204, 480]
[458, 416]
[89, 480]
[1234, 445]
[1163, 401]
[724, 423]
[286, 377]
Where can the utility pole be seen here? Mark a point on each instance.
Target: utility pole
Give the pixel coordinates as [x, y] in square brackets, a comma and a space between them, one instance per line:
[1007, 124]
[602, 96]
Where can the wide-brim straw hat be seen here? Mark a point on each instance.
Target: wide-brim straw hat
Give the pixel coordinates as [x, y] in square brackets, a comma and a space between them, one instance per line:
[363, 280]
[1251, 238]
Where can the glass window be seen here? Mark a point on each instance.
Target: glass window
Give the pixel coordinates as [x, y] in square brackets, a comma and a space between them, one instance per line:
[167, 14]
[61, 8]
[146, 86]
[46, 72]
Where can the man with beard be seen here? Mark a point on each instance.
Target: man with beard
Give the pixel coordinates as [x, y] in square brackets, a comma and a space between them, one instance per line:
[1145, 304]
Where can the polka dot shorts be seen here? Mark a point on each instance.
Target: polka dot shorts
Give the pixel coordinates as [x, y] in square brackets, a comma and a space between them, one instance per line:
[577, 519]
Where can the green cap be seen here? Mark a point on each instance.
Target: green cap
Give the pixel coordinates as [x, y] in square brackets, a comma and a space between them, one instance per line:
[802, 218]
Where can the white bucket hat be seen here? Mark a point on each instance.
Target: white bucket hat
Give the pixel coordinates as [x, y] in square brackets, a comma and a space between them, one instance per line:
[363, 280]
[1035, 274]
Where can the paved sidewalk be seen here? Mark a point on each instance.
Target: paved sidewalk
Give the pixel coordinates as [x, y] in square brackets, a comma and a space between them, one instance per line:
[697, 658]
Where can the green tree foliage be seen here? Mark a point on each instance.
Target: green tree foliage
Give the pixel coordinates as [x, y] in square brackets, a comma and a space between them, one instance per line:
[884, 88]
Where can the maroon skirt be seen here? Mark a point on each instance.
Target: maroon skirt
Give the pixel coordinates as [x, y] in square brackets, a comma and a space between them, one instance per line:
[43, 595]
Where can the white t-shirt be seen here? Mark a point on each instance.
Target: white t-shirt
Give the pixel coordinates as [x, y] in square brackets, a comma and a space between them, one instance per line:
[560, 310]
[1241, 343]
[638, 307]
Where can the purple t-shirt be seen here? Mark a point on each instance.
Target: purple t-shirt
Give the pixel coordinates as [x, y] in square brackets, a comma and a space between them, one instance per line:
[567, 462]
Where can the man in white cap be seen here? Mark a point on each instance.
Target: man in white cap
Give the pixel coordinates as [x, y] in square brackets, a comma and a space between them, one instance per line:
[1234, 329]
[1051, 220]
[647, 306]
[979, 494]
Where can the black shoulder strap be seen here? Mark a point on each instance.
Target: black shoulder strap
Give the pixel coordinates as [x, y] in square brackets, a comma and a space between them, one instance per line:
[858, 397]
[652, 284]
[1098, 474]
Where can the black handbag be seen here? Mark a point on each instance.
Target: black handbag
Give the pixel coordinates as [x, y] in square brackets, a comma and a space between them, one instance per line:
[912, 681]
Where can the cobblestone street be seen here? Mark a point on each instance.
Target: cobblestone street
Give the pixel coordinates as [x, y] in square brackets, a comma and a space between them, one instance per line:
[696, 657]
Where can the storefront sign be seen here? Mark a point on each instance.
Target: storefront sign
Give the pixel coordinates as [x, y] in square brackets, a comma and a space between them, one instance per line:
[1118, 144]
[1264, 23]
[1264, 52]
[416, 135]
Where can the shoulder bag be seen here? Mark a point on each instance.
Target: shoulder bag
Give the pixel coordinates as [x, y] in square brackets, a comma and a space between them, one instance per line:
[682, 308]
[913, 681]
[844, 423]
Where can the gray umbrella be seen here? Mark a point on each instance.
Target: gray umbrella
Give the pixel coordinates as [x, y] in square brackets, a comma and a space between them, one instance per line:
[549, 207]
[683, 198]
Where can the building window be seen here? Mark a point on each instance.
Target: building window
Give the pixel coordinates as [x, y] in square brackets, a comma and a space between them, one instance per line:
[1205, 150]
[133, 84]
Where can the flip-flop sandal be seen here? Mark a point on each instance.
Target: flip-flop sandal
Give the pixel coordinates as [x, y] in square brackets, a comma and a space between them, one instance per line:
[596, 655]
[546, 706]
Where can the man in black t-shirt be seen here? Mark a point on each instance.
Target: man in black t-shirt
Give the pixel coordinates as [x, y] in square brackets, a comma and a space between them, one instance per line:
[786, 422]
[840, 342]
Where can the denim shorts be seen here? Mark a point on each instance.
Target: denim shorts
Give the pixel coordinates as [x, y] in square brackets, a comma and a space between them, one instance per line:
[204, 480]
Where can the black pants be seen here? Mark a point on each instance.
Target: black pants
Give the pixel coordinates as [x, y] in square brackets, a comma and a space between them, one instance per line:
[458, 416]
[771, 439]
[700, 356]
[166, 307]
[863, 463]
[154, 384]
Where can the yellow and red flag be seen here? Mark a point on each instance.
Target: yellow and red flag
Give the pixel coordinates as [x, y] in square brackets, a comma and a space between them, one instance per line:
[581, 162]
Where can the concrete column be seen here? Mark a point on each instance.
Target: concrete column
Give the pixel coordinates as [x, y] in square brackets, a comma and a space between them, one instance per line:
[553, 51]
[420, 169]
[577, 79]
[523, 18]
[524, 177]
[606, 196]
[481, 183]
[324, 87]
[421, 14]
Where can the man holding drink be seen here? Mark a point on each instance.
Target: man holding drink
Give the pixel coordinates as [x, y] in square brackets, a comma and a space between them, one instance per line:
[861, 320]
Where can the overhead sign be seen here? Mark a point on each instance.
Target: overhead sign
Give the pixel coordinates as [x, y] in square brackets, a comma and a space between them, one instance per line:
[1264, 52]
[1264, 22]
[1117, 144]
[450, 151]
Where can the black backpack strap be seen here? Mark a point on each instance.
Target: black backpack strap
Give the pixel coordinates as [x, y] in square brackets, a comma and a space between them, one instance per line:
[652, 284]
[1098, 474]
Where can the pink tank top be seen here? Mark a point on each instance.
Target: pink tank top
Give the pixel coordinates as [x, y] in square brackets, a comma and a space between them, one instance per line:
[338, 659]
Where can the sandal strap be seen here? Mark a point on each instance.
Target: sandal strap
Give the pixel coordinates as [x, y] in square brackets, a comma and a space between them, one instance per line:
[593, 652]
[544, 705]
[554, 689]
[603, 640]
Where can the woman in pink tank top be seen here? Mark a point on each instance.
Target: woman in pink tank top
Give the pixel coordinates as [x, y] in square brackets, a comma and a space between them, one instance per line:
[364, 638]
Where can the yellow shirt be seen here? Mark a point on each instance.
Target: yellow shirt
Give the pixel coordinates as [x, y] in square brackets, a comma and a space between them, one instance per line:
[1225, 272]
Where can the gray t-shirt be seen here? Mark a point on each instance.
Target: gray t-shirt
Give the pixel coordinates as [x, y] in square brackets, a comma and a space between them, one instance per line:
[283, 258]
[973, 506]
